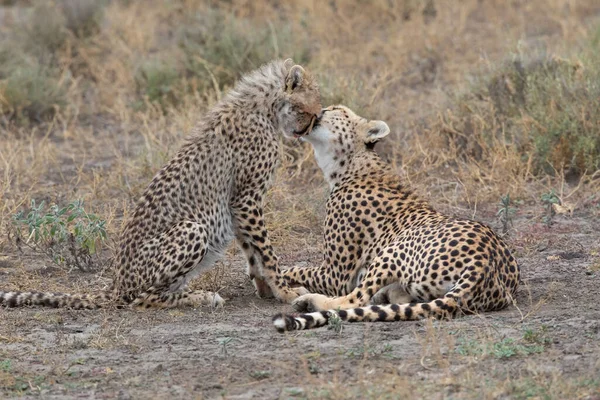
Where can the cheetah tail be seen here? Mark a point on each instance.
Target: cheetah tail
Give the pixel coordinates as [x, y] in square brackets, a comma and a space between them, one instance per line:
[55, 300]
[440, 308]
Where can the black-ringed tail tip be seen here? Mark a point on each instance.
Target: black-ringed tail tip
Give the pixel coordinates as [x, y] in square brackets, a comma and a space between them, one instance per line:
[445, 308]
[285, 322]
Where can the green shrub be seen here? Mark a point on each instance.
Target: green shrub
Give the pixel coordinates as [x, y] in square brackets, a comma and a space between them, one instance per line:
[83, 17]
[158, 81]
[33, 80]
[220, 47]
[29, 90]
[45, 32]
[69, 235]
[546, 108]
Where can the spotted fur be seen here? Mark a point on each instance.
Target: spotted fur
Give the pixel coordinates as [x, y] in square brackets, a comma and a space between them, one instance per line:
[424, 262]
[211, 192]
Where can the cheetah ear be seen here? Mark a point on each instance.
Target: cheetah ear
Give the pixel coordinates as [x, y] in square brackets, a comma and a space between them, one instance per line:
[294, 78]
[288, 63]
[376, 130]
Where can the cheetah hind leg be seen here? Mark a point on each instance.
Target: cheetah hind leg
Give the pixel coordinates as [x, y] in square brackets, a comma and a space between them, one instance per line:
[178, 262]
[391, 294]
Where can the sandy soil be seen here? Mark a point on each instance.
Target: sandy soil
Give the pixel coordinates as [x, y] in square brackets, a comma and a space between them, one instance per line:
[549, 344]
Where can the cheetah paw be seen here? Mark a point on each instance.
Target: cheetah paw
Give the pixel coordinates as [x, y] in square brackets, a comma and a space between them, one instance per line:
[217, 301]
[310, 303]
[381, 297]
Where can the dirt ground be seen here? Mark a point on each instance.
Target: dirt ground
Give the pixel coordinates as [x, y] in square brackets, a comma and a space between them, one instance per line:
[546, 347]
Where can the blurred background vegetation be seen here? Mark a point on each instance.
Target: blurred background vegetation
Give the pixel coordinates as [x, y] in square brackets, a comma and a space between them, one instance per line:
[485, 99]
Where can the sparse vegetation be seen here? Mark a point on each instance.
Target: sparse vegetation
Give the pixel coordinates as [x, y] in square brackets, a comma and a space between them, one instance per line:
[260, 375]
[533, 342]
[540, 108]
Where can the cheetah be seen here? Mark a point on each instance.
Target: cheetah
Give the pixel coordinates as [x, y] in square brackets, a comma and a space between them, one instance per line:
[210, 193]
[419, 262]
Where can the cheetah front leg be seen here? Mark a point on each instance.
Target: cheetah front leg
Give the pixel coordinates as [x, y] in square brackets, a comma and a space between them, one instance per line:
[254, 270]
[252, 233]
[320, 279]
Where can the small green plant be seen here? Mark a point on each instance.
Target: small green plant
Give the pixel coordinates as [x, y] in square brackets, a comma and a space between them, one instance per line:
[508, 347]
[505, 348]
[506, 213]
[370, 350]
[6, 365]
[294, 391]
[224, 343]
[537, 336]
[69, 235]
[313, 368]
[470, 347]
[548, 200]
[312, 359]
[387, 348]
[260, 375]
[335, 323]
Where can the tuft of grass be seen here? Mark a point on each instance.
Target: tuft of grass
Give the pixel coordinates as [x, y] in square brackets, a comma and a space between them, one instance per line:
[335, 323]
[538, 336]
[224, 342]
[83, 18]
[260, 374]
[45, 33]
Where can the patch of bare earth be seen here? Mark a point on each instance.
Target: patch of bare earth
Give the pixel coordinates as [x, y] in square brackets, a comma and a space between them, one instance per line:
[547, 345]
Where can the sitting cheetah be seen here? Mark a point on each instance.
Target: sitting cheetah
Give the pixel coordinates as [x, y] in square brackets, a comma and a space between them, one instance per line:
[440, 264]
[211, 192]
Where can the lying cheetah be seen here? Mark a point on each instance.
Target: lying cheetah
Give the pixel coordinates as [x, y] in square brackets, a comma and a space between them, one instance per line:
[441, 265]
[210, 192]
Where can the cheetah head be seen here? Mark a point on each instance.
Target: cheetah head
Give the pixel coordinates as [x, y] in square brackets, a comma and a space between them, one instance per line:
[302, 101]
[338, 135]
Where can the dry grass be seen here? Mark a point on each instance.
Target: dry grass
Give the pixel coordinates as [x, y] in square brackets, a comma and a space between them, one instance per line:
[484, 98]
[114, 87]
